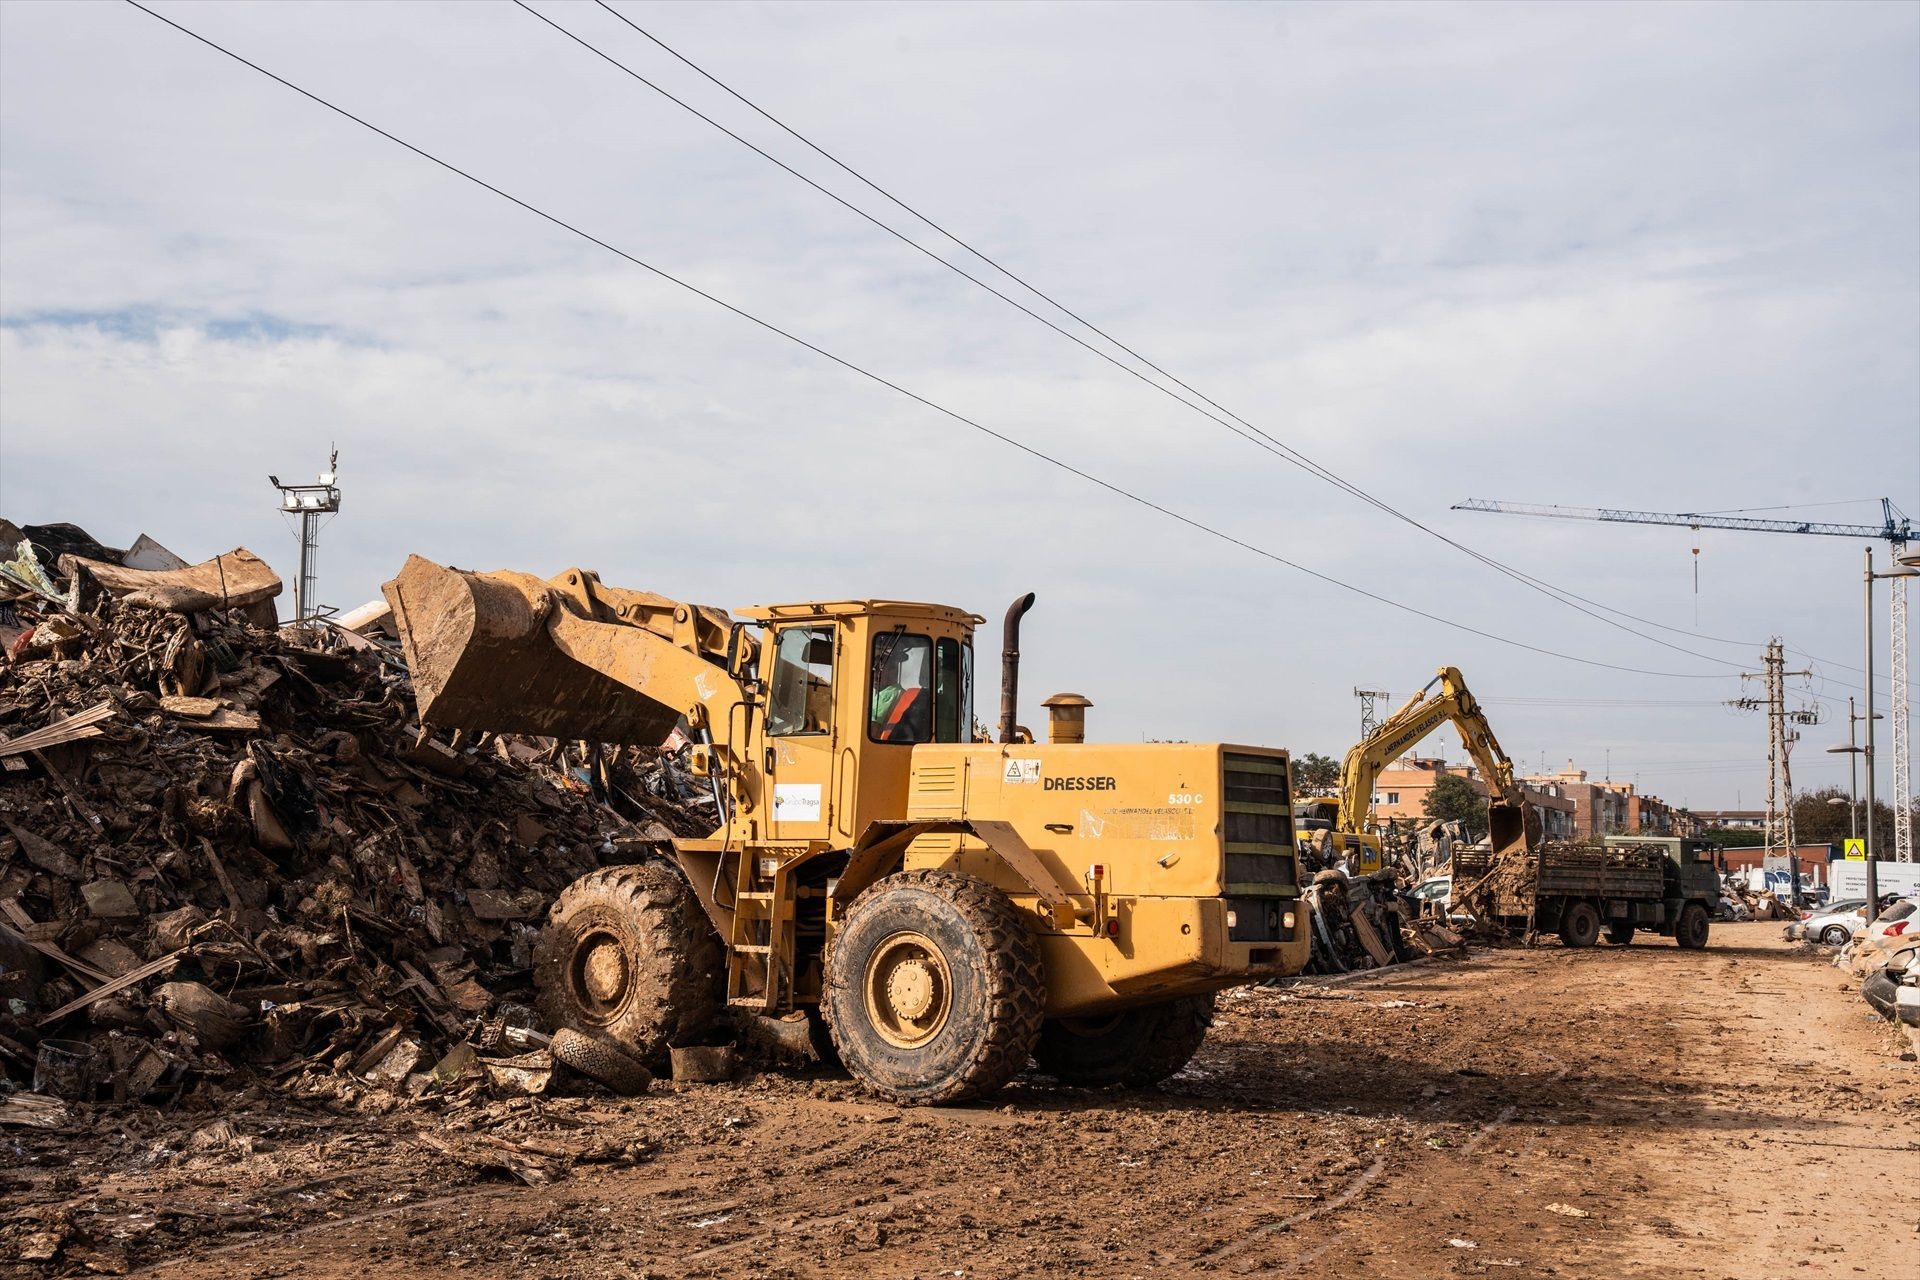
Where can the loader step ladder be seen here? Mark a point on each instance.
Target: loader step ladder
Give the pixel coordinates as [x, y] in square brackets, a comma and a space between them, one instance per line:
[760, 939]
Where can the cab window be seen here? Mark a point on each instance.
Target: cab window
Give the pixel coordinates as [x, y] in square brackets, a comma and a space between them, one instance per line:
[900, 694]
[952, 691]
[800, 699]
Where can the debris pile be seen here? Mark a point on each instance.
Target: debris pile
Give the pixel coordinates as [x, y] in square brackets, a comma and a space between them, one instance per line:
[1368, 922]
[228, 848]
[1739, 901]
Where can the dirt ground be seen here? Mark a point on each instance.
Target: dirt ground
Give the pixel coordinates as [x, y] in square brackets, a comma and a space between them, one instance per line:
[1637, 1111]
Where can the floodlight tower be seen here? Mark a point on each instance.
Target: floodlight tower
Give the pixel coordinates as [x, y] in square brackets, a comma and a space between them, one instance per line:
[309, 502]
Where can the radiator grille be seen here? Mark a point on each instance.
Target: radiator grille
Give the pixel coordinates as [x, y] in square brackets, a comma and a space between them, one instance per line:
[1260, 860]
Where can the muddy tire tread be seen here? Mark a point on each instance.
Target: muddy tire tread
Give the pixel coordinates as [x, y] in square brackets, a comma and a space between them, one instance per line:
[1015, 979]
[682, 970]
[1177, 1029]
[600, 1062]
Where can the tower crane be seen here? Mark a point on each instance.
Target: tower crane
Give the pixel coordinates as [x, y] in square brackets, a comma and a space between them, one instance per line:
[1894, 528]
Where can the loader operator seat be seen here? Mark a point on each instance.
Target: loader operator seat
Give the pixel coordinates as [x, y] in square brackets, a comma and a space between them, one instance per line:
[901, 702]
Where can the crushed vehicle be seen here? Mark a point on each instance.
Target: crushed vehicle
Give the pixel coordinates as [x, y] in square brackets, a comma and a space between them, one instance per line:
[948, 908]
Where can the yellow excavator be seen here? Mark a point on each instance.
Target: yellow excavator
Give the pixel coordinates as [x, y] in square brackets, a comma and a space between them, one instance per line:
[1334, 828]
[950, 908]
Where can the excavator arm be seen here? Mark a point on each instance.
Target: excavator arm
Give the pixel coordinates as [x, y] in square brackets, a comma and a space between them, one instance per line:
[1446, 698]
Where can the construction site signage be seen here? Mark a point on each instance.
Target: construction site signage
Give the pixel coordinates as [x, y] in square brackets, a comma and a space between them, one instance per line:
[1856, 850]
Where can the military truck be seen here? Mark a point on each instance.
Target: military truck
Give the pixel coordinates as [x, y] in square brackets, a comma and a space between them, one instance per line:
[1662, 884]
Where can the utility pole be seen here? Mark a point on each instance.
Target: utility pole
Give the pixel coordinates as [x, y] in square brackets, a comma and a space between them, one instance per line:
[1873, 877]
[309, 502]
[1780, 739]
[1902, 760]
[1369, 718]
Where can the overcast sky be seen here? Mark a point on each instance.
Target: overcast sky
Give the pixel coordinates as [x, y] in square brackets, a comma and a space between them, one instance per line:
[1654, 256]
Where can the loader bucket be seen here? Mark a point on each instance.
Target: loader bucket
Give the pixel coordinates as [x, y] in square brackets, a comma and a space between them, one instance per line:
[481, 659]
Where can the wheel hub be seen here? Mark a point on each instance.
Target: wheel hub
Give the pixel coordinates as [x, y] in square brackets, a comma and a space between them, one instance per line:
[601, 974]
[907, 989]
[910, 989]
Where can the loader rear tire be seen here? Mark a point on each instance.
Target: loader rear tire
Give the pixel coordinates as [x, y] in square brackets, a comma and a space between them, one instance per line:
[935, 989]
[629, 957]
[1580, 925]
[1135, 1047]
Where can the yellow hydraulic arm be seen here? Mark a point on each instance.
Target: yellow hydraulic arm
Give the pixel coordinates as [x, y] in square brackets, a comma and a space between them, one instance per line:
[1422, 714]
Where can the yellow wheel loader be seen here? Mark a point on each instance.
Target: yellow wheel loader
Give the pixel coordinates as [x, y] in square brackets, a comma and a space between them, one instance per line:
[950, 908]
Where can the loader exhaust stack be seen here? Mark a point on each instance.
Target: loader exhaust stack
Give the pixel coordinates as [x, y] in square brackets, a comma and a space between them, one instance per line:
[1010, 666]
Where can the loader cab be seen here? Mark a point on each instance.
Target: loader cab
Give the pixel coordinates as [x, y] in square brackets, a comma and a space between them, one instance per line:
[850, 687]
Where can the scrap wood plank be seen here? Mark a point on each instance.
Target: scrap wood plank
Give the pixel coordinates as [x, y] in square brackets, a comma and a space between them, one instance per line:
[119, 984]
[220, 874]
[1370, 939]
[81, 724]
[24, 922]
[436, 1008]
[74, 801]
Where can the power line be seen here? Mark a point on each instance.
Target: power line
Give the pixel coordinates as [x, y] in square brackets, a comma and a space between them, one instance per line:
[1264, 440]
[1273, 445]
[849, 365]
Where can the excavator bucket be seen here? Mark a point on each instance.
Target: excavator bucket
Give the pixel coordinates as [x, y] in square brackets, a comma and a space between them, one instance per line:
[1508, 828]
[482, 658]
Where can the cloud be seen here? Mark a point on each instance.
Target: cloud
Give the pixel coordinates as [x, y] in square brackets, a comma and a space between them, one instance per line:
[1659, 256]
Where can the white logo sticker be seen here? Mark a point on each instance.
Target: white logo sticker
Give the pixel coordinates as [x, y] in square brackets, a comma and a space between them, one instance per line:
[796, 802]
[1023, 770]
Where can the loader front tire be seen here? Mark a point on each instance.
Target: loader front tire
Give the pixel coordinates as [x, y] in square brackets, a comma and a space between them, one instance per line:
[1135, 1047]
[628, 957]
[935, 989]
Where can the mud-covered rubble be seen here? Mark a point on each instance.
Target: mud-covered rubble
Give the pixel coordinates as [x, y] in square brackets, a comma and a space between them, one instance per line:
[1369, 922]
[230, 856]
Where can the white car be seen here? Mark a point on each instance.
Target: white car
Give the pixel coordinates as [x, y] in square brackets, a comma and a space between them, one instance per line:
[1896, 927]
[1835, 924]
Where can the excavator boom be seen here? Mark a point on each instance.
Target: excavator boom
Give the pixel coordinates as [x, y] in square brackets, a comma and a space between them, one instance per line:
[1421, 715]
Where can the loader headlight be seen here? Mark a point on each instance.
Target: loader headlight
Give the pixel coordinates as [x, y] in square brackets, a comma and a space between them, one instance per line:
[1233, 919]
[1286, 921]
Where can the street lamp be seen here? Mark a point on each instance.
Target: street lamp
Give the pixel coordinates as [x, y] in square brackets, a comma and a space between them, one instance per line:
[1852, 752]
[1909, 568]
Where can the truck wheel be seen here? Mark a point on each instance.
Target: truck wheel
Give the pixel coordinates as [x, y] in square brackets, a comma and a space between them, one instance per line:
[1690, 931]
[629, 957]
[1619, 932]
[1135, 1047]
[1580, 925]
[935, 990]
